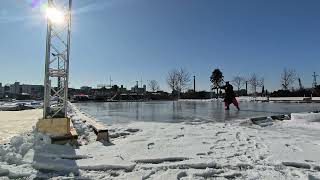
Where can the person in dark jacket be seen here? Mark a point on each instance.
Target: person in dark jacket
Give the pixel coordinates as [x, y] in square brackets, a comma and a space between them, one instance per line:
[230, 97]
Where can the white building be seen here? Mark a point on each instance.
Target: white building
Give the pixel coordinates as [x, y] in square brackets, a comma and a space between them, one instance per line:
[33, 90]
[15, 88]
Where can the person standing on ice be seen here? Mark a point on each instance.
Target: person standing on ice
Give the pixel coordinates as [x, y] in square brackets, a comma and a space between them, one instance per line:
[230, 97]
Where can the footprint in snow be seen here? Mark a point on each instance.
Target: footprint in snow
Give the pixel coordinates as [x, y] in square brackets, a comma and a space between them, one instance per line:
[201, 154]
[293, 147]
[179, 136]
[260, 146]
[238, 136]
[209, 152]
[150, 145]
[220, 140]
[220, 132]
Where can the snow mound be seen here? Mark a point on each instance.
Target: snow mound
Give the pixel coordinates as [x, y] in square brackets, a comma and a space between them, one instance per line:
[13, 152]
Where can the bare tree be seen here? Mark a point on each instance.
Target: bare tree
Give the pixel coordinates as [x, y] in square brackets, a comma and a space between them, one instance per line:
[255, 81]
[178, 80]
[288, 77]
[154, 86]
[238, 82]
[172, 80]
[183, 79]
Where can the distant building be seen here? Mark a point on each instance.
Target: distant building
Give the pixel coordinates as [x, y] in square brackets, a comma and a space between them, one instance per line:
[1, 91]
[35, 91]
[18, 90]
[15, 88]
[122, 89]
[6, 90]
[85, 88]
[99, 86]
[138, 90]
[102, 93]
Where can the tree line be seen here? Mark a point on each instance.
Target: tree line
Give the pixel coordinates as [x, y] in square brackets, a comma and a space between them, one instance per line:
[217, 80]
[179, 80]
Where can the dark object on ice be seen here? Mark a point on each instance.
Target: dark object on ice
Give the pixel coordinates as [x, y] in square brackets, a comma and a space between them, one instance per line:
[281, 117]
[297, 165]
[132, 130]
[230, 97]
[262, 121]
[100, 130]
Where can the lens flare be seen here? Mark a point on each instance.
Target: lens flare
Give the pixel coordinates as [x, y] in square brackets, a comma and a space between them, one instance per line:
[38, 5]
[35, 3]
[54, 15]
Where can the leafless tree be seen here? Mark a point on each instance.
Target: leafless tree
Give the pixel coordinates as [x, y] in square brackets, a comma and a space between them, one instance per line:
[172, 80]
[183, 79]
[288, 77]
[154, 86]
[255, 81]
[238, 82]
[178, 80]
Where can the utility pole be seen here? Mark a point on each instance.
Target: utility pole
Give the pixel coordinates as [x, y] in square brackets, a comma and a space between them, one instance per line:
[300, 84]
[246, 87]
[110, 81]
[194, 83]
[314, 84]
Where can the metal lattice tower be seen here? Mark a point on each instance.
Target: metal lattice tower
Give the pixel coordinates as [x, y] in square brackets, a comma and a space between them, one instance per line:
[314, 84]
[57, 60]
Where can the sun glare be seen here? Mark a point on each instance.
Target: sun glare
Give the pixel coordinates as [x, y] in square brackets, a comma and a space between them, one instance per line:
[54, 15]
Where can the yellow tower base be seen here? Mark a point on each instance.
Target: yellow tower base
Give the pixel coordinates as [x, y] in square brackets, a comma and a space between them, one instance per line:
[54, 126]
[59, 130]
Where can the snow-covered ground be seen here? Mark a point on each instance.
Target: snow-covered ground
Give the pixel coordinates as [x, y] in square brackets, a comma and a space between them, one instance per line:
[194, 150]
[17, 122]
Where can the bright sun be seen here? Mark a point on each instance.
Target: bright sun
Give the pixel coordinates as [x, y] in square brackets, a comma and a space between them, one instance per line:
[54, 15]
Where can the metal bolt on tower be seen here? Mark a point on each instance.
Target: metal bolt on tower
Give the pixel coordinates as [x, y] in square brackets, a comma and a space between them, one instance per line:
[57, 59]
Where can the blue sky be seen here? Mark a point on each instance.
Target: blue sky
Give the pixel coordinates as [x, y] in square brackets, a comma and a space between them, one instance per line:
[130, 39]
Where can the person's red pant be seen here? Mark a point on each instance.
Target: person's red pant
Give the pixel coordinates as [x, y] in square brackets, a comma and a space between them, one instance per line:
[234, 102]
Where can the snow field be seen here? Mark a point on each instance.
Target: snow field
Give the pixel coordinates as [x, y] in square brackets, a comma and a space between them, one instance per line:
[144, 150]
